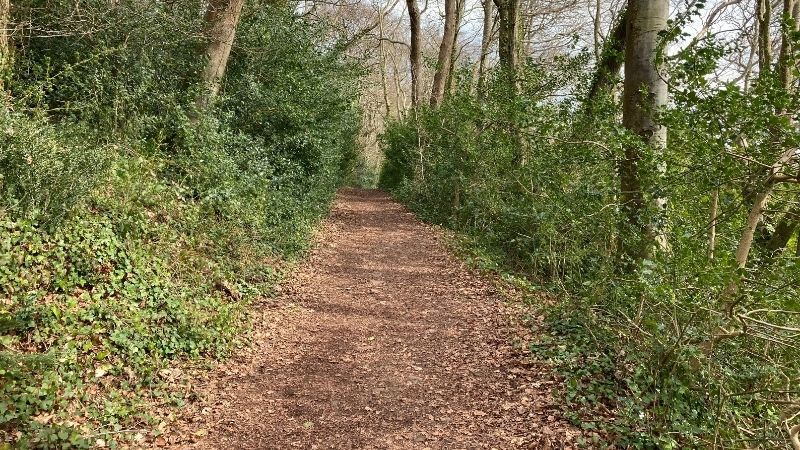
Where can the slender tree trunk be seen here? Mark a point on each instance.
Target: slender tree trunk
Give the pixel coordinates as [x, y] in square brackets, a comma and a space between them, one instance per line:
[486, 41]
[400, 99]
[764, 16]
[751, 59]
[453, 55]
[760, 205]
[222, 18]
[445, 52]
[645, 93]
[416, 52]
[508, 14]
[753, 219]
[712, 224]
[598, 45]
[790, 25]
[5, 47]
[384, 83]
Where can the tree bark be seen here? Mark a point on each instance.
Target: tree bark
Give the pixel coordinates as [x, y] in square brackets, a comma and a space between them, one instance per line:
[453, 52]
[790, 25]
[508, 51]
[508, 14]
[384, 83]
[764, 16]
[756, 214]
[486, 40]
[712, 225]
[5, 47]
[222, 18]
[399, 95]
[645, 93]
[445, 52]
[416, 52]
[598, 47]
[753, 219]
[794, 436]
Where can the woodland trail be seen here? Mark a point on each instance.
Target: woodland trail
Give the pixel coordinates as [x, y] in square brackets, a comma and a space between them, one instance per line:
[382, 340]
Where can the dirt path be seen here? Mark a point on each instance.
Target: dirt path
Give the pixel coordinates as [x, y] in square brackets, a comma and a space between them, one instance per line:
[382, 340]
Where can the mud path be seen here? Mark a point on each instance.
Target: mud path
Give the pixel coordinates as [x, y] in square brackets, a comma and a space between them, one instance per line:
[382, 340]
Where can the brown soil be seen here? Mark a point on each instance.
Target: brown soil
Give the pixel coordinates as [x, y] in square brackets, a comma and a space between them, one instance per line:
[382, 340]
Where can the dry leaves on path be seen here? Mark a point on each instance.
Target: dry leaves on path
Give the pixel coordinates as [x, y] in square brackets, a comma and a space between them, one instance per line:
[381, 340]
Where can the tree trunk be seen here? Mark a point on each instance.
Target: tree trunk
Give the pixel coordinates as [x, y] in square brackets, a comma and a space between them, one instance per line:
[400, 99]
[610, 61]
[598, 46]
[712, 223]
[384, 83]
[764, 16]
[645, 93]
[791, 13]
[508, 52]
[760, 204]
[753, 219]
[784, 229]
[5, 47]
[416, 52]
[445, 52]
[486, 40]
[453, 52]
[508, 14]
[222, 18]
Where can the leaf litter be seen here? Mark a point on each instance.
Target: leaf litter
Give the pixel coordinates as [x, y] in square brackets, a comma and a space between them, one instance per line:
[382, 339]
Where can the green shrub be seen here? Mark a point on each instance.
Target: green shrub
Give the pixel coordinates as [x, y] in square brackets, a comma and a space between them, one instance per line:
[46, 171]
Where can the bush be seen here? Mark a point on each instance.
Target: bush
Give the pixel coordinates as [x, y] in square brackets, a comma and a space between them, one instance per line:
[45, 171]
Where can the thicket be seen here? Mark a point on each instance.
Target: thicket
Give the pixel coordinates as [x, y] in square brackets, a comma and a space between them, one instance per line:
[666, 354]
[135, 229]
